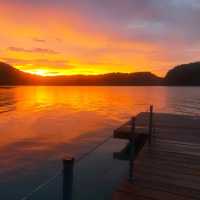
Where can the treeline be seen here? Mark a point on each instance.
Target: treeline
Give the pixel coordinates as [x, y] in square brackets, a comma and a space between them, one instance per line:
[187, 74]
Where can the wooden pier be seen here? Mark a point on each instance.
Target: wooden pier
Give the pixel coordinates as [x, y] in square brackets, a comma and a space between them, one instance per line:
[168, 166]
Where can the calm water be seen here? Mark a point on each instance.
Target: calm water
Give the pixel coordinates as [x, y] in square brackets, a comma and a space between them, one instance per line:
[40, 125]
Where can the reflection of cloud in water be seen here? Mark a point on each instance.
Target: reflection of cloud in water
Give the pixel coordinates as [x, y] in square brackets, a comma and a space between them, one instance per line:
[28, 153]
[39, 142]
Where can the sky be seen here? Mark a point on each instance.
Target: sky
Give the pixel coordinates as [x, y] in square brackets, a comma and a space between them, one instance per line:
[56, 37]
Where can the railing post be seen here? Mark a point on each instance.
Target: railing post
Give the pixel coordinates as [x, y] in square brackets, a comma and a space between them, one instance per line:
[132, 152]
[68, 171]
[133, 119]
[150, 123]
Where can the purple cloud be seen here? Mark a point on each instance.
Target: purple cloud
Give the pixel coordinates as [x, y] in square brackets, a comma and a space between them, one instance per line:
[34, 50]
[59, 64]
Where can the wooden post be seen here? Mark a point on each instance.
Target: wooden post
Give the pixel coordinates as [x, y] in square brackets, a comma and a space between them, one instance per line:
[131, 162]
[132, 152]
[68, 171]
[150, 123]
[133, 125]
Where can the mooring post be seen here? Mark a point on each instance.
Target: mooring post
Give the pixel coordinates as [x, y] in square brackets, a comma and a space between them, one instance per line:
[132, 151]
[68, 171]
[133, 119]
[150, 123]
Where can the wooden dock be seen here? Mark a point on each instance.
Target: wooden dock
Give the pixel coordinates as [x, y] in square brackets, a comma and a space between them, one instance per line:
[169, 167]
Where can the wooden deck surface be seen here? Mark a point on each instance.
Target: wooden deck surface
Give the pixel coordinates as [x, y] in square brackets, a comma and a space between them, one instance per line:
[169, 168]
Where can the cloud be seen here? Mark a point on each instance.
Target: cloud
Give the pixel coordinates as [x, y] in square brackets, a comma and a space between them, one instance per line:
[39, 40]
[29, 64]
[34, 50]
[58, 39]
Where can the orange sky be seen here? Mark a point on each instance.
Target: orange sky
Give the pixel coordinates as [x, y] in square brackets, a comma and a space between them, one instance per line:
[53, 38]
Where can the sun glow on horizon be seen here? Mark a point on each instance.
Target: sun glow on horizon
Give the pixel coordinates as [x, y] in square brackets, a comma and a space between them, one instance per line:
[52, 72]
[40, 72]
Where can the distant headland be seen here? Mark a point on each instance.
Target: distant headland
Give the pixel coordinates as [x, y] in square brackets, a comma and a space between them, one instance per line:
[182, 75]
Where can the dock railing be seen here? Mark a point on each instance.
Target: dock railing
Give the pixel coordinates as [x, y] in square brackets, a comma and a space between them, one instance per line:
[150, 123]
[136, 141]
[129, 153]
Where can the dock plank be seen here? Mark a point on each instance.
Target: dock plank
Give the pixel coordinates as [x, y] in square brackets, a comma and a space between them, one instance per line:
[169, 167]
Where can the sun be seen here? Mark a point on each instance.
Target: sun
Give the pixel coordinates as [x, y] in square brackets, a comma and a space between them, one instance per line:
[40, 72]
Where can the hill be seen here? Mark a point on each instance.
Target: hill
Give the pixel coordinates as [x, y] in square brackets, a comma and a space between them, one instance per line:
[184, 75]
[11, 76]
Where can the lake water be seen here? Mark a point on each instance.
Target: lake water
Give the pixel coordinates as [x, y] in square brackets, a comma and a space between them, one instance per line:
[41, 125]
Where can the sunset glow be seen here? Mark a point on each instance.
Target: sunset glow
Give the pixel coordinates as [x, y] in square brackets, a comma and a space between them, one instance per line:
[89, 37]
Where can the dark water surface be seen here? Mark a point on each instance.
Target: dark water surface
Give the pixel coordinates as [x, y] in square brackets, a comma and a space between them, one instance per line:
[41, 125]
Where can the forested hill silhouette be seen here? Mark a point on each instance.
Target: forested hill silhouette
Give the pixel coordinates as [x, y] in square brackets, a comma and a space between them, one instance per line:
[11, 76]
[186, 74]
